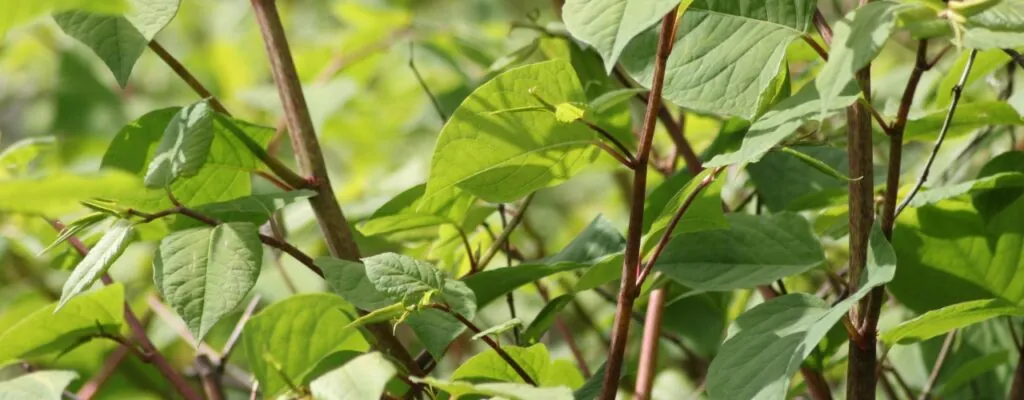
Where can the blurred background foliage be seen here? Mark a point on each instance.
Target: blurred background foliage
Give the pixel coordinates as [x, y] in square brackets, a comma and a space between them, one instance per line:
[378, 128]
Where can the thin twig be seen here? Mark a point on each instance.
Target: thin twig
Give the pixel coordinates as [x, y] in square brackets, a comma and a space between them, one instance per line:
[423, 84]
[187, 76]
[822, 26]
[649, 345]
[1017, 57]
[490, 342]
[155, 357]
[504, 236]
[616, 155]
[510, 298]
[957, 91]
[110, 365]
[631, 263]
[236, 333]
[309, 156]
[678, 216]
[937, 367]
[618, 144]
[817, 47]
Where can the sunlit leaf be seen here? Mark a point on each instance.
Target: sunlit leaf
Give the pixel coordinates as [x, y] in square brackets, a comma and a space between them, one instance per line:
[98, 260]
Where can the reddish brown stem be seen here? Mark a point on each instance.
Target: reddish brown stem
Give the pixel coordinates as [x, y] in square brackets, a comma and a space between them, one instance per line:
[631, 264]
[309, 156]
[110, 365]
[139, 331]
[649, 346]
[187, 76]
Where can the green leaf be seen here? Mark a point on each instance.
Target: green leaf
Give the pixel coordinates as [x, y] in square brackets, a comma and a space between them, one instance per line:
[403, 278]
[74, 227]
[592, 387]
[255, 209]
[185, 146]
[60, 193]
[499, 329]
[385, 314]
[229, 162]
[15, 159]
[348, 279]
[985, 63]
[39, 385]
[608, 25]
[817, 165]
[534, 360]
[754, 250]
[17, 13]
[568, 112]
[205, 273]
[409, 210]
[943, 320]
[998, 27]
[610, 99]
[971, 370]
[47, 330]
[436, 329]
[997, 181]
[545, 318]
[119, 40]
[783, 181]
[857, 39]
[768, 343]
[364, 377]
[296, 334]
[968, 117]
[597, 243]
[726, 54]
[98, 260]
[500, 156]
[510, 391]
[704, 213]
[782, 120]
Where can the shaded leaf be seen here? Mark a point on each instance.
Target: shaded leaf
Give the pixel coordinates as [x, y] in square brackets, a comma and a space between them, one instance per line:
[754, 250]
[205, 273]
[704, 213]
[510, 391]
[348, 279]
[255, 209]
[185, 146]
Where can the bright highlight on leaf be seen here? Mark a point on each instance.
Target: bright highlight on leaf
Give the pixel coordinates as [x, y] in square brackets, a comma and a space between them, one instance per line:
[185, 146]
[98, 260]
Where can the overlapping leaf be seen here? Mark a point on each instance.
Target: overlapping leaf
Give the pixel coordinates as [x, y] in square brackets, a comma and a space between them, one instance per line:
[609, 25]
[98, 260]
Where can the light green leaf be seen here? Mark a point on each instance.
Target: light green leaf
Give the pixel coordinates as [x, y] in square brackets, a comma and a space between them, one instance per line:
[348, 280]
[991, 182]
[754, 250]
[704, 213]
[119, 40]
[726, 54]
[535, 361]
[857, 39]
[968, 117]
[782, 120]
[403, 278]
[501, 156]
[599, 242]
[255, 209]
[17, 13]
[385, 314]
[608, 25]
[39, 385]
[510, 391]
[60, 193]
[767, 344]
[98, 260]
[185, 146]
[409, 210]
[47, 330]
[943, 320]
[612, 98]
[999, 27]
[15, 159]
[296, 334]
[74, 227]
[985, 62]
[229, 162]
[205, 273]
[568, 112]
[364, 377]
[499, 329]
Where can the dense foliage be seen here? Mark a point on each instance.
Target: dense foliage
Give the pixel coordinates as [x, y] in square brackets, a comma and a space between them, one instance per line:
[578, 199]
